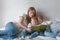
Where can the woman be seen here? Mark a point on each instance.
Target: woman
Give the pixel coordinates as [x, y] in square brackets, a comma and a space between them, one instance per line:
[31, 13]
[11, 31]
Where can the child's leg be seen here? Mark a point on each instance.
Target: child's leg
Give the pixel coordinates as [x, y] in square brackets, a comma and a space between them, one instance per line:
[23, 33]
[34, 34]
[41, 33]
[50, 34]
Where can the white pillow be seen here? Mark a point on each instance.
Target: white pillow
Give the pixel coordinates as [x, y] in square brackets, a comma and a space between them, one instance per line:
[47, 22]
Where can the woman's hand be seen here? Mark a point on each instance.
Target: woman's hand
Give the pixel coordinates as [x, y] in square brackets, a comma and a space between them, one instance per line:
[24, 27]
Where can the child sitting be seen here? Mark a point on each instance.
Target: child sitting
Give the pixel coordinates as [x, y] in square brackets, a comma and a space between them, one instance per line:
[40, 19]
[34, 21]
[48, 32]
[40, 22]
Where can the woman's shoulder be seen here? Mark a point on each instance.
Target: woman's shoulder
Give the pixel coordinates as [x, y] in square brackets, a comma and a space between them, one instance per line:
[24, 15]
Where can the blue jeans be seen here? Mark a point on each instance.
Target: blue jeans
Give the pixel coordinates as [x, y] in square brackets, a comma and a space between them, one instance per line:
[49, 33]
[9, 32]
[33, 34]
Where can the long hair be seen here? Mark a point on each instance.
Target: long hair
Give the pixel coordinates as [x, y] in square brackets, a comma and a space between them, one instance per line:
[28, 19]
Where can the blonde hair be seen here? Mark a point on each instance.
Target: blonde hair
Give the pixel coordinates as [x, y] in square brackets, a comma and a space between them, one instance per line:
[40, 16]
[34, 18]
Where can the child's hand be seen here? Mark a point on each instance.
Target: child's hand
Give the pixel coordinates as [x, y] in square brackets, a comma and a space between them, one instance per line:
[28, 29]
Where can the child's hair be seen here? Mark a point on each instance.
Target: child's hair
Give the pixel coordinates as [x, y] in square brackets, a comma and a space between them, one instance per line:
[40, 16]
[34, 18]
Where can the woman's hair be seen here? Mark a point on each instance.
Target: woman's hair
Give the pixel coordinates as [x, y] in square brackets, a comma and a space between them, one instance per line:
[31, 8]
[28, 19]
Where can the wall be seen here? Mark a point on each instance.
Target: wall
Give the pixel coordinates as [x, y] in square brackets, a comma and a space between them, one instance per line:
[12, 9]
[1, 22]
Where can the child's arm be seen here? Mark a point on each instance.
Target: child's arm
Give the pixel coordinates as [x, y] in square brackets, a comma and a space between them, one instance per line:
[29, 27]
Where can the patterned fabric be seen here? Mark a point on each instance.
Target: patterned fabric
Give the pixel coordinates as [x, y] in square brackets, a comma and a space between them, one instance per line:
[55, 27]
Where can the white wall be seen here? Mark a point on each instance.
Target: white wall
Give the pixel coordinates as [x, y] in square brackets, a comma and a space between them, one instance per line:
[12, 9]
[1, 23]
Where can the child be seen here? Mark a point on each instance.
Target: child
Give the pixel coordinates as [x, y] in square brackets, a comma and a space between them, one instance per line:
[40, 19]
[34, 21]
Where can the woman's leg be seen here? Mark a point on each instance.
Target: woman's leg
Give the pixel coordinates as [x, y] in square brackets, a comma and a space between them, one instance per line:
[10, 30]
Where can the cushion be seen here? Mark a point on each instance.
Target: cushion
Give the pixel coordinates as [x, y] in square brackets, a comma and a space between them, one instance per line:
[55, 27]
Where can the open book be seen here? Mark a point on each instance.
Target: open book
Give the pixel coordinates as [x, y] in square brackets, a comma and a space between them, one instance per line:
[40, 28]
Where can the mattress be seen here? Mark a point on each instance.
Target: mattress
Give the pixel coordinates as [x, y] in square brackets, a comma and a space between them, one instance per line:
[37, 38]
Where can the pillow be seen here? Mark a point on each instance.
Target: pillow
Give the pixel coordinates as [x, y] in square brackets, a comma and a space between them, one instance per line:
[46, 22]
[39, 28]
[55, 26]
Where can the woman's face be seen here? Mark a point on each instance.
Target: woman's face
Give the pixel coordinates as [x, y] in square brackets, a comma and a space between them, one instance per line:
[31, 13]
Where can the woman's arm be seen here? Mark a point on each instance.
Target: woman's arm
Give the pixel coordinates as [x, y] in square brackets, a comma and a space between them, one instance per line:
[20, 23]
[24, 27]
